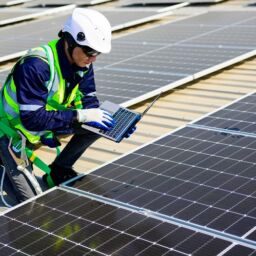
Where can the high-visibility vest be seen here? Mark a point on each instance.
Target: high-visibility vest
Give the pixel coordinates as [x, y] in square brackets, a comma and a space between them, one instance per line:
[55, 86]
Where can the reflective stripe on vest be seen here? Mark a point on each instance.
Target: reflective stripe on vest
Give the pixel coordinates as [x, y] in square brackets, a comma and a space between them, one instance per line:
[56, 91]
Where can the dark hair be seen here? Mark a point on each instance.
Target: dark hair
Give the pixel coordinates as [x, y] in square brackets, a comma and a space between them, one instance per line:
[70, 41]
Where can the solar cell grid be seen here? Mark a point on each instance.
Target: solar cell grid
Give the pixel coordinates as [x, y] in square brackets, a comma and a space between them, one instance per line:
[124, 88]
[183, 60]
[62, 223]
[250, 23]
[204, 181]
[225, 18]
[178, 56]
[234, 37]
[238, 117]
[158, 36]
[199, 26]
[238, 250]
[121, 52]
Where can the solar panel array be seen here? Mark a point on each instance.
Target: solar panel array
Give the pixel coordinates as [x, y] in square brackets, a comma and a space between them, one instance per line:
[202, 175]
[41, 31]
[62, 223]
[192, 192]
[120, 18]
[144, 63]
[198, 176]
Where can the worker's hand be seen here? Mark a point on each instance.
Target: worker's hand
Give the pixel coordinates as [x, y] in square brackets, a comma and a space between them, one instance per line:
[130, 132]
[96, 117]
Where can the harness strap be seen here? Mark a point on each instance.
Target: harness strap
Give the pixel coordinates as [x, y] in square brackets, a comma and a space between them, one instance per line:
[5, 129]
[40, 164]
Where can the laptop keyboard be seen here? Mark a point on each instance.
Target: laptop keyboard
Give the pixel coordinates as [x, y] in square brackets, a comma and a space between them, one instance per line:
[123, 119]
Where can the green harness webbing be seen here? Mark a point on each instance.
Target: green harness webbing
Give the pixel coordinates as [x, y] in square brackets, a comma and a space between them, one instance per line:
[41, 165]
[5, 129]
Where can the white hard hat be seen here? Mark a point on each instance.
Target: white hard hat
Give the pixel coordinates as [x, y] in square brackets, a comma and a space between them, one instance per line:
[89, 28]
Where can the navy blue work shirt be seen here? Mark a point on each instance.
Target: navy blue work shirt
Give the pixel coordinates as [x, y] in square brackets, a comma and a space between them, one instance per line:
[30, 78]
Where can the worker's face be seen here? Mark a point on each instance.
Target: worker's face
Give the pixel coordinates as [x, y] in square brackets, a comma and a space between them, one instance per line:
[81, 59]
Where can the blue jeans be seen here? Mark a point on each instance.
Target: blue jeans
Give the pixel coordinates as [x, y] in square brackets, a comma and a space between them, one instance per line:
[80, 141]
[21, 187]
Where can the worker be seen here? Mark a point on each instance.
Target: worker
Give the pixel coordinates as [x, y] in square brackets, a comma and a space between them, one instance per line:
[51, 92]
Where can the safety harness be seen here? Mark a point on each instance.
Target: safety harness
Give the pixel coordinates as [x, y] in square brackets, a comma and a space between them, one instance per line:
[11, 126]
[6, 130]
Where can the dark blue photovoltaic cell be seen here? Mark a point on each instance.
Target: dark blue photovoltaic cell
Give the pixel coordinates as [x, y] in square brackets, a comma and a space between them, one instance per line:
[62, 223]
[200, 176]
[239, 250]
[239, 116]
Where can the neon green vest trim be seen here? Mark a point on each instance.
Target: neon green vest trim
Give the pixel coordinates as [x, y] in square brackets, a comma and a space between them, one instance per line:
[56, 88]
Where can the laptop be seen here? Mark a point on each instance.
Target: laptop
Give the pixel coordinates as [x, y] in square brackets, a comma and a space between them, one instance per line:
[125, 120]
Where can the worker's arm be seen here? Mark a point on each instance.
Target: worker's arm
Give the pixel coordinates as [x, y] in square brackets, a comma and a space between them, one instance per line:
[30, 78]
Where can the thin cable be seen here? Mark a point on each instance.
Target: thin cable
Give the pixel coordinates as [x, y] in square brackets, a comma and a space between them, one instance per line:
[31, 178]
[2, 188]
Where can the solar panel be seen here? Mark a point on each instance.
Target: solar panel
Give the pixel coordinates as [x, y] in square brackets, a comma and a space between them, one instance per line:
[145, 2]
[238, 117]
[66, 2]
[62, 223]
[145, 63]
[251, 4]
[201, 177]
[21, 14]
[121, 18]
[180, 32]
[8, 15]
[12, 2]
